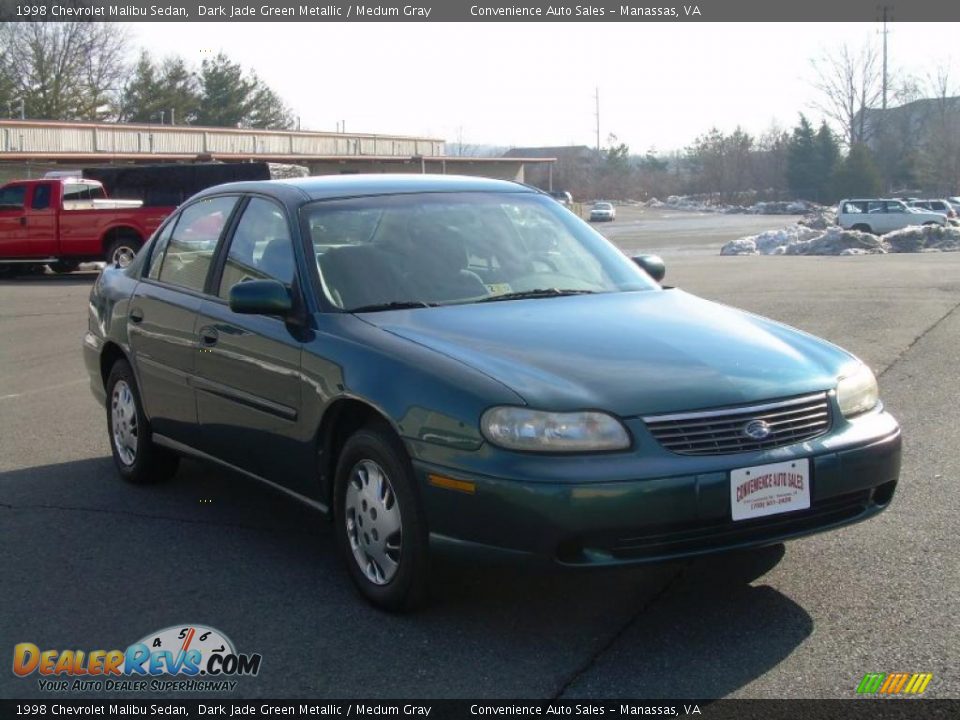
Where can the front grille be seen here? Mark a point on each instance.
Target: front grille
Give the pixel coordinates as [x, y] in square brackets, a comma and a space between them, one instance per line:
[721, 432]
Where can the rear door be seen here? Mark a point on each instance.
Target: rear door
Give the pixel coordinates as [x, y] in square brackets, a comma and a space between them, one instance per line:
[163, 315]
[248, 376]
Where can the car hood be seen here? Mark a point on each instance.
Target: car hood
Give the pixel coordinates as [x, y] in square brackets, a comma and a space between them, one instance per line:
[630, 353]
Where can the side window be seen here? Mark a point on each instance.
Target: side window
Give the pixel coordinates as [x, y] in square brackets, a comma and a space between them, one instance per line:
[159, 247]
[191, 246]
[895, 207]
[13, 197]
[41, 197]
[76, 191]
[261, 248]
[875, 206]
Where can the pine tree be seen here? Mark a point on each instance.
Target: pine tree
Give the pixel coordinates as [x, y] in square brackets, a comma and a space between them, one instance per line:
[803, 165]
[828, 157]
[178, 91]
[857, 175]
[224, 93]
[139, 98]
[266, 108]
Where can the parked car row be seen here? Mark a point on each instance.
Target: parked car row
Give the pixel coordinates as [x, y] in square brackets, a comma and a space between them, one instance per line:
[880, 216]
[940, 206]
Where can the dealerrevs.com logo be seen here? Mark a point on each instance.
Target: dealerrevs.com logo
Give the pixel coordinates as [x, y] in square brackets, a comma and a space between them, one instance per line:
[177, 658]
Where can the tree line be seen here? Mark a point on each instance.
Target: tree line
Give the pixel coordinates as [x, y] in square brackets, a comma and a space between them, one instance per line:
[82, 71]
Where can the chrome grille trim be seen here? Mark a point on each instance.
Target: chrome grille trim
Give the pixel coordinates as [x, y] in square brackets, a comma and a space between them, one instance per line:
[720, 431]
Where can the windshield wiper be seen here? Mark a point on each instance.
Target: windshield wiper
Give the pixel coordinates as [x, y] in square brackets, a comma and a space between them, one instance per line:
[395, 305]
[538, 293]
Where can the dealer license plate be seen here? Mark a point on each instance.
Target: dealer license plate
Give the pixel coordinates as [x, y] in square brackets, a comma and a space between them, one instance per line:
[770, 489]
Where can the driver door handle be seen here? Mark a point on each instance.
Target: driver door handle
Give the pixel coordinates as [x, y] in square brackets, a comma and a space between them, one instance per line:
[208, 336]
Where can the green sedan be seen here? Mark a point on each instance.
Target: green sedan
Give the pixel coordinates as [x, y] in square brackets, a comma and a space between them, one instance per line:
[435, 360]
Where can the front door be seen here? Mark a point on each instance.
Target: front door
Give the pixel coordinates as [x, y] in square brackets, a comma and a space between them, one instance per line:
[248, 376]
[13, 221]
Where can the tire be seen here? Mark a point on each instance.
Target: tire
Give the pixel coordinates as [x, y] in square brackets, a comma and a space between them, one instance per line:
[61, 267]
[8, 272]
[862, 228]
[122, 250]
[137, 458]
[380, 528]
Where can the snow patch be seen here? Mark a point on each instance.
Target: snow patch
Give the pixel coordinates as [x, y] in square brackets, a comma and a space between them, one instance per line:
[802, 239]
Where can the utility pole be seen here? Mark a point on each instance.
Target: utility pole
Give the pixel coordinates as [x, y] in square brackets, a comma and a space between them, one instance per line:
[885, 17]
[596, 97]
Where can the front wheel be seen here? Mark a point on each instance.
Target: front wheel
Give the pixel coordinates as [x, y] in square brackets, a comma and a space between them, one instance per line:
[860, 227]
[136, 457]
[381, 531]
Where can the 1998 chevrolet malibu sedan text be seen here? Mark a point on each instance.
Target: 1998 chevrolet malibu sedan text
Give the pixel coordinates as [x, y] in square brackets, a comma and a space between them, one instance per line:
[441, 359]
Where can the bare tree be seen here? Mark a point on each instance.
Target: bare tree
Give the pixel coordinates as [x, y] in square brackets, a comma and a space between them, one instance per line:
[65, 70]
[939, 156]
[851, 82]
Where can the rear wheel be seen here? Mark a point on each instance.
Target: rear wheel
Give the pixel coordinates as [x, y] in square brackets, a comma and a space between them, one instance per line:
[860, 227]
[136, 457]
[380, 527]
[123, 250]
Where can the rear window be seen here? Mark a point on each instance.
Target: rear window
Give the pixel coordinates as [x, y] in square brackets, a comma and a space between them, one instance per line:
[82, 191]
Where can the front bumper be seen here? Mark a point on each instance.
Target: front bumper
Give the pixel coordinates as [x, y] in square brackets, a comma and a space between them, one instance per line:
[581, 523]
[92, 347]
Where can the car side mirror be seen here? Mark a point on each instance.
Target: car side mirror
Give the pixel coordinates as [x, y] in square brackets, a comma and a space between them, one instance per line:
[653, 265]
[261, 297]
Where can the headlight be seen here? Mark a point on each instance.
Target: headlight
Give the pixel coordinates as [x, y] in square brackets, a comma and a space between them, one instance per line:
[517, 428]
[857, 391]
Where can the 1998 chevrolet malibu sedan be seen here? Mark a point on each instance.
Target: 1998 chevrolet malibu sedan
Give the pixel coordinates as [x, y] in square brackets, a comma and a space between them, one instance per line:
[434, 359]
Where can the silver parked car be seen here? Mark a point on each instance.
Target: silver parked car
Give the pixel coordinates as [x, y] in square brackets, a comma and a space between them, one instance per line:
[602, 211]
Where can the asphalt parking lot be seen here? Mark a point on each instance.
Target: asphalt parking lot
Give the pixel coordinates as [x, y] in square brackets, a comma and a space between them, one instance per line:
[89, 562]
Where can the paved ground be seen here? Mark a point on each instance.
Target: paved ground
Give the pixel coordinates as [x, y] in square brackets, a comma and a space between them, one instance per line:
[676, 233]
[88, 562]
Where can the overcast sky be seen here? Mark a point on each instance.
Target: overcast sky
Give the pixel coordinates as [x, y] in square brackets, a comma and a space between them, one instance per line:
[515, 84]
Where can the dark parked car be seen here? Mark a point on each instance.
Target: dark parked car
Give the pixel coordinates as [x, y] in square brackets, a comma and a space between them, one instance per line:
[436, 360]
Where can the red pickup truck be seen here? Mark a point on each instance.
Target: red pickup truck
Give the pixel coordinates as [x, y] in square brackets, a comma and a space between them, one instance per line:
[61, 222]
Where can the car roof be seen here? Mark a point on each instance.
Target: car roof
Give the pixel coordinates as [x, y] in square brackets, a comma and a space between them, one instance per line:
[325, 187]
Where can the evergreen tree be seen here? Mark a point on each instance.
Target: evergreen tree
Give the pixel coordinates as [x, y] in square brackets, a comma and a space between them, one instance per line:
[857, 175]
[803, 162]
[828, 157]
[224, 93]
[140, 95]
[179, 94]
[266, 109]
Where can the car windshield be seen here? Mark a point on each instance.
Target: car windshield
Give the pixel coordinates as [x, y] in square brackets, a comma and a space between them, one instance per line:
[603, 206]
[419, 250]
